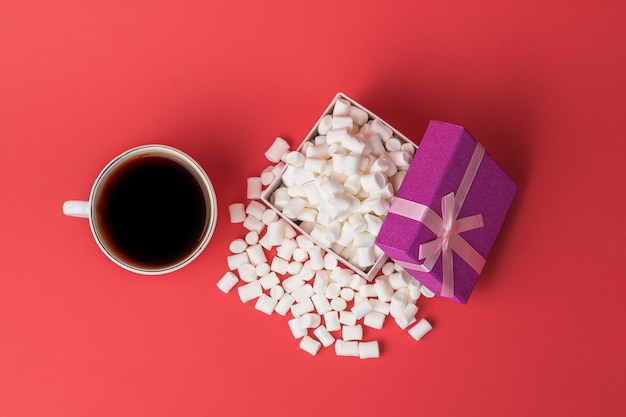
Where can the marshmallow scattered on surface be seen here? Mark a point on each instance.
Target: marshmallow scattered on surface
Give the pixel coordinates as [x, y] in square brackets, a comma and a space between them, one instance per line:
[338, 187]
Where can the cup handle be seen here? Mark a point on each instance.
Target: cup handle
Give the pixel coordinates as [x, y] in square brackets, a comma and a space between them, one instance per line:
[76, 208]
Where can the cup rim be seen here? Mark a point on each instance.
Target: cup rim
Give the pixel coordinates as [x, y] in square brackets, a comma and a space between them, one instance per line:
[202, 177]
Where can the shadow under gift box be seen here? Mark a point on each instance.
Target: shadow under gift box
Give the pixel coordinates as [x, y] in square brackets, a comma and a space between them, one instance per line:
[448, 211]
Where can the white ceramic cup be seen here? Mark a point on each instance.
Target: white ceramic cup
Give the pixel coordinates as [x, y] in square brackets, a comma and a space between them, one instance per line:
[89, 209]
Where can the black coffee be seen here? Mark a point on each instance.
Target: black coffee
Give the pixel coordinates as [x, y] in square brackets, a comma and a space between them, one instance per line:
[152, 212]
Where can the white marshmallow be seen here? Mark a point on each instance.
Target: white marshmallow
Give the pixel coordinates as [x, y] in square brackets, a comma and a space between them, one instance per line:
[426, 292]
[364, 257]
[330, 261]
[352, 163]
[369, 350]
[408, 148]
[324, 336]
[331, 320]
[341, 122]
[410, 310]
[352, 184]
[341, 276]
[296, 329]
[318, 151]
[397, 179]
[357, 282]
[404, 324]
[338, 160]
[357, 223]
[414, 289]
[363, 240]
[275, 233]
[277, 149]
[294, 207]
[311, 164]
[268, 281]
[306, 273]
[374, 319]
[253, 224]
[347, 294]
[337, 135]
[338, 304]
[249, 291]
[237, 212]
[236, 260]
[267, 176]
[380, 307]
[354, 332]
[307, 215]
[332, 290]
[315, 256]
[310, 345]
[255, 209]
[376, 144]
[284, 304]
[265, 304]
[373, 182]
[341, 108]
[359, 116]
[280, 197]
[321, 304]
[256, 254]
[262, 269]
[398, 303]
[393, 144]
[286, 249]
[302, 293]
[247, 272]
[385, 165]
[237, 246]
[279, 265]
[361, 308]
[401, 159]
[252, 238]
[227, 282]
[325, 124]
[254, 189]
[277, 292]
[295, 158]
[293, 268]
[381, 129]
[292, 283]
[300, 255]
[310, 320]
[321, 281]
[269, 216]
[397, 280]
[346, 348]
[303, 307]
[420, 329]
[383, 289]
[347, 318]
[374, 223]
[278, 168]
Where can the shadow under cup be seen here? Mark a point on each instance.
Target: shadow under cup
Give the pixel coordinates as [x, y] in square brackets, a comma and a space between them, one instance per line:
[153, 210]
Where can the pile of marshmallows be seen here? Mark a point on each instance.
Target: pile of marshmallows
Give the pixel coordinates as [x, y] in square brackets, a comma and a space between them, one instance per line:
[338, 188]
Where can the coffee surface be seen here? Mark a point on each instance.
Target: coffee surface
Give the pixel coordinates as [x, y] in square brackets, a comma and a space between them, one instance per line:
[152, 213]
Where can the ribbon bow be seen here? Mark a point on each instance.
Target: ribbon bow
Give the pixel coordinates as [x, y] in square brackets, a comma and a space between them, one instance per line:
[447, 229]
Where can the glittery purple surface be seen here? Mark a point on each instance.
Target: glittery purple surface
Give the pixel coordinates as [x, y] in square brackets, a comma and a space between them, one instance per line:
[437, 169]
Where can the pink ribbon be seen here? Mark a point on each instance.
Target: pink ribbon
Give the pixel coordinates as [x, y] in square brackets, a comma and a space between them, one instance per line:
[447, 229]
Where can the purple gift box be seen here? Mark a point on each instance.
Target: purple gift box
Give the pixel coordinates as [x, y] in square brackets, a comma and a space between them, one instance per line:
[447, 212]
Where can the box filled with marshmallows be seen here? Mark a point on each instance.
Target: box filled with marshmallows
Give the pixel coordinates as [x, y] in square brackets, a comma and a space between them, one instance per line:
[337, 186]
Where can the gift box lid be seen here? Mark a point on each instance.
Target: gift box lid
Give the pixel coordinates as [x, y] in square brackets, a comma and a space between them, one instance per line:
[448, 211]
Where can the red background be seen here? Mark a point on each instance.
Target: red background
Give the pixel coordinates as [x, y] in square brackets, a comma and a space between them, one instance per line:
[540, 83]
